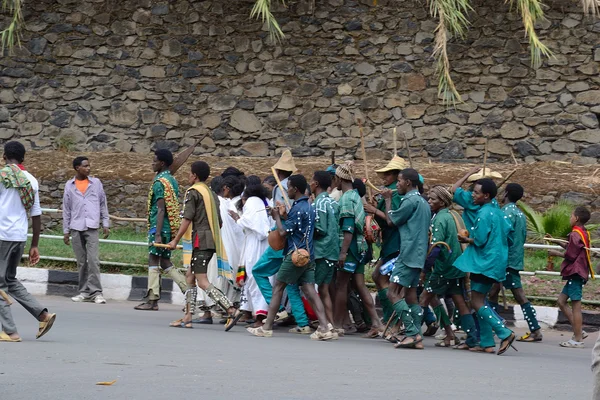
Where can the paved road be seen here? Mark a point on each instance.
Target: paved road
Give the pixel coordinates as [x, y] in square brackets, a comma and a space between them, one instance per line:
[92, 343]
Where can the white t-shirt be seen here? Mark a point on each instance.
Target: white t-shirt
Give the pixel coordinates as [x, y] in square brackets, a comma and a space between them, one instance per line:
[14, 221]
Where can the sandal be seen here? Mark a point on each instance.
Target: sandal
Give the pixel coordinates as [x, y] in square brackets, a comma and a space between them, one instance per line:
[233, 319]
[443, 343]
[372, 334]
[45, 326]
[506, 343]
[431, 329]
[486, 350]
[5, 338]
[207, 321]
[394, 339]
[572, 344]
[462, 346]
[180, 323]
[415, 344]
[260, 332]
[584, 335]
[530, 337]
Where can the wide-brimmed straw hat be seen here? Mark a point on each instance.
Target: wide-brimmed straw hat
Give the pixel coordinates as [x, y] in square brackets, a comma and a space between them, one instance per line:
[488, 174]
[344, 171]
[285, 162]
[396, 164]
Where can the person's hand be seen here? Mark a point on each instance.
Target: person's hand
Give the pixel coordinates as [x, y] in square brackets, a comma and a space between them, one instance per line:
[386, 193]
[157, 239]
[67, 238]
[463, 239]
[235, 216]
[474, 170]
[422, 279]
[106, 233]
[342, 259]
[370, 208]
[172, 245]
[34, 256]
[275, 211]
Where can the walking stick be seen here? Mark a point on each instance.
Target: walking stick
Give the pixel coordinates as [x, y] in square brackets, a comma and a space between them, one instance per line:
[364, 155]
[5, 297]
[485, 151]
[394, 141]
[283, 192]
[165, 246]
[387, 326]
[407, 149]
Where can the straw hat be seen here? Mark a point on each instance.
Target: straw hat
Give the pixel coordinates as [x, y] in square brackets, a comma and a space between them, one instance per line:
[344, 171]
[285, 162]
[397, 164]
[488, 174]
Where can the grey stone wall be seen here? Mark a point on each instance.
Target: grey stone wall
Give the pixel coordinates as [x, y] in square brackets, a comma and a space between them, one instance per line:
[132, 75]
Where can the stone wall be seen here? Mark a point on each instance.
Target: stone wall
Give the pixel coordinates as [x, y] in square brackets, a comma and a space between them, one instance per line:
[136, 74]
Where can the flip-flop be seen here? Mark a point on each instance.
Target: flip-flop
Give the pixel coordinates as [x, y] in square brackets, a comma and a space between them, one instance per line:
[479, 349]
[233, 319]
[452, 343]
[462, 346]
[180, 323]
[45, 326]
[5, 338]
[506, 343]
[260, 332]
[372, 334]
[529, 338]
[412, 345]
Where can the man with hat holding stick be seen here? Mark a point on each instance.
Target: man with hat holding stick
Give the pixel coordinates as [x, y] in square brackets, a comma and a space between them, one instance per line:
[270, 262]
[390, 236]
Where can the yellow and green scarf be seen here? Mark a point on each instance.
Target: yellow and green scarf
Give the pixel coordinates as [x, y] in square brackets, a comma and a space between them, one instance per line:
[171, 203]
[212, 214]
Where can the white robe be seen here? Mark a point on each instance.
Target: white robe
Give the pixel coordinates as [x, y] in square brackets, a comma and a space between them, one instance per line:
[256, 225]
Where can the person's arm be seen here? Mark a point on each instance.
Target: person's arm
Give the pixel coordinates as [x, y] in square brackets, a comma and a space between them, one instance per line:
[185, 224]
[480, 233]
[401, 215]
[462, 180]
[36, 225]
[371, 209]
[66, 215]
[160, 219]
[182, 157]
[104, 211]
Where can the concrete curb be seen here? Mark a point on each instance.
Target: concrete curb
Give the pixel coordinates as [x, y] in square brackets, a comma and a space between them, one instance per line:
[133, 288]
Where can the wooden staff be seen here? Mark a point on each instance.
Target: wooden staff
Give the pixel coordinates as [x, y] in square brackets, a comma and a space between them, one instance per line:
[364, 155]
[333, 158]
[165, 246]
[375, 188]
[553, 240]
[283, 192]
[394, 141]
[5, 297]
[410, 161]
[485, 151]
[506, 179]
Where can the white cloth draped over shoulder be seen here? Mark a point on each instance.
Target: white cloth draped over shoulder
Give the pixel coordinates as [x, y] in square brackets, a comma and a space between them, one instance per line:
[256, 225]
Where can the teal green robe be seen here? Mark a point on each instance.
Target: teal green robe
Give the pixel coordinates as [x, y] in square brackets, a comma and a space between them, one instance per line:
[516, 251]
[464, 198]
[488, 255]
[443, 229]
[390, 235]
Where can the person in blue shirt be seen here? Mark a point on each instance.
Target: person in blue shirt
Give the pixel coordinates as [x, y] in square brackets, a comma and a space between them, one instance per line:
[485, 259]
[297, 226]
[516, 256]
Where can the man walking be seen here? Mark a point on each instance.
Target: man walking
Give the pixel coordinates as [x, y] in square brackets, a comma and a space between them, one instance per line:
[18, 199]
[84, 208]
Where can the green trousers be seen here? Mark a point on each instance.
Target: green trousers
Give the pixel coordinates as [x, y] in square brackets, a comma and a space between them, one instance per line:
[407, 315]
[489, 324]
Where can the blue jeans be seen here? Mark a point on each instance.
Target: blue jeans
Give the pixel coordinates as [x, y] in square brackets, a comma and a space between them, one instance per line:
[268, 265]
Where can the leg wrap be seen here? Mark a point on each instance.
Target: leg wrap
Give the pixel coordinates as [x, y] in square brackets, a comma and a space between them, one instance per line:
[404, 312]
[530, 317]
[190, 299]
[178, 278]
[153, 292]
[218, 297]
[441, 316]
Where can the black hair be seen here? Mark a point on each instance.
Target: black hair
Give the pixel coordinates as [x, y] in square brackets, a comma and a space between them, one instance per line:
[360, 187]
[488, 186]
[165, 156]
[420, 187]
[286, 174]
[253, 180]
[514, 192]
[201, 170]
[232, 171]
[14, 151]
[270, 180]
[78, 161]
[299, 182]
[582, 214]
[234, 184]
[323, 178]
[216, 184]
[256, 190]
[413, 176]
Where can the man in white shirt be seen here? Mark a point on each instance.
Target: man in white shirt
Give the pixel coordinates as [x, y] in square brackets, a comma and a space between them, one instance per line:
[18, 198]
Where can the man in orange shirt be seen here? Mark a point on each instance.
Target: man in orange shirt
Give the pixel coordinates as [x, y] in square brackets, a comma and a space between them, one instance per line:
[84, 209]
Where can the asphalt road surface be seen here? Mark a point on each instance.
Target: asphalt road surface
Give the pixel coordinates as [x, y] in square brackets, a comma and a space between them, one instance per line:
[91, 343]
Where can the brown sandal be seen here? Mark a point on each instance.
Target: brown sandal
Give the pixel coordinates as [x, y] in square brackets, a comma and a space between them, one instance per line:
[486, 350]
[462, 346]
[180, 323]
[416, 344]
[373, 333]
[147, 306]
[45, 326]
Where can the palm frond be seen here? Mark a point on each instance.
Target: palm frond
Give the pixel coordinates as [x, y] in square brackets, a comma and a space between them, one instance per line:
[10, 35]
[531, 11]
[452, 22]
[262, 11]
[535, 223]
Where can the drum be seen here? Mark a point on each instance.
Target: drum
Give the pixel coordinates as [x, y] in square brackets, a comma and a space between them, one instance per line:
[276, 241]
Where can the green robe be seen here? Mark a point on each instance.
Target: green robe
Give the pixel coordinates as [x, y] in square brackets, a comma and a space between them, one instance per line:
[158, 192]
[352, 219]
[488, 255]
[390, 235]
[412, 219]
[464, 198]
[516, 251]
[443, 229]
[327, 237]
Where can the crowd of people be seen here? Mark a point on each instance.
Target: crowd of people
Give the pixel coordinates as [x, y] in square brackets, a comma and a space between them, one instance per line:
[287, 250]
